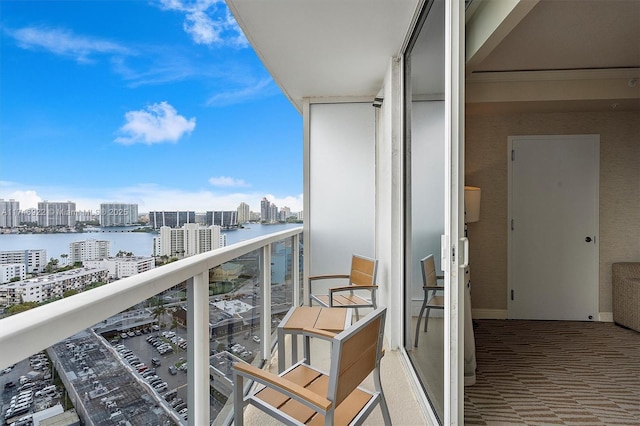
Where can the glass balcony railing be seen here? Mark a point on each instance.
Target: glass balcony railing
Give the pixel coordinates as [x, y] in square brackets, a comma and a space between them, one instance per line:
[157, 347]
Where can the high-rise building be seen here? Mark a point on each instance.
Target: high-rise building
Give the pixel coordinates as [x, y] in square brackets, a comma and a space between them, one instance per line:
[225, 219]
[201, 219]
[9, 213]
[56, 214]
[285, 213]
[172, 219]
[244, 213]
[189, 240]
[33, 260]
[118, 214]
[265, 210]
[80, 251]
[273, 213]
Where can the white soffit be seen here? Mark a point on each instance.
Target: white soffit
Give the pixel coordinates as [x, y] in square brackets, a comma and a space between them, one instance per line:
[326, 48]
[545, 51]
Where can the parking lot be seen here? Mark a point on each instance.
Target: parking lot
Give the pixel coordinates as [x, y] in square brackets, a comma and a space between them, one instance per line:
[103, 388]
[27, 387]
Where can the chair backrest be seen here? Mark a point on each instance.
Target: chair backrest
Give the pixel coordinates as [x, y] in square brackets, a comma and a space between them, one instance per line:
[363, 270]
[355, 353]
[428, 271]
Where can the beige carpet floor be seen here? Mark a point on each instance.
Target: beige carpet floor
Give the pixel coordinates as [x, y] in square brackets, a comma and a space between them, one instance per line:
[554, 373]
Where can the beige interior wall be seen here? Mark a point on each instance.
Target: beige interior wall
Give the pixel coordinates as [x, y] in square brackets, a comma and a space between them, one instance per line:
[486, 167]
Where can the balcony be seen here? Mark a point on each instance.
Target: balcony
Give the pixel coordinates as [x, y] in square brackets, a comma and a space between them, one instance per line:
[221, 296]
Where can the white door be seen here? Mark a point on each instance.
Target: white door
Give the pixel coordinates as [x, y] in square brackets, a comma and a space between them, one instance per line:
[553, 227]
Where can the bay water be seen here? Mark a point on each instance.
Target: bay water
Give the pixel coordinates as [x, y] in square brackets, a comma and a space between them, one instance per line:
[121, 238]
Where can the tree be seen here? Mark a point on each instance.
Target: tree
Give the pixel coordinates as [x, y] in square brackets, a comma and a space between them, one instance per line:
[70, 292]
[174, 327]
[52, 265]
[64, 257]
[21, 307]
[159, 310]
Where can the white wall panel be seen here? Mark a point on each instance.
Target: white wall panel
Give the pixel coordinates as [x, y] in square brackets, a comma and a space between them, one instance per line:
[427, 186]
[341, 185]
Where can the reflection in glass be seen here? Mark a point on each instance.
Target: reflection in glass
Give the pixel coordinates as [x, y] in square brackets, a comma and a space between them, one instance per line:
[424, 76]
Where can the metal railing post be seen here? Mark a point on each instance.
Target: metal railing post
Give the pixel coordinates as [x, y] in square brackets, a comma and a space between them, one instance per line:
[198, 352]
[265, 324]
[295, 265]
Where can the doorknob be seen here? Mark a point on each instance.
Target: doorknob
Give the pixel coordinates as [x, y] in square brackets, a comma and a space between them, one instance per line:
[588, 239]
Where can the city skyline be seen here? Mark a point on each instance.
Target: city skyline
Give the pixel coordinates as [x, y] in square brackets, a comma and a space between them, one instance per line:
[176, 112]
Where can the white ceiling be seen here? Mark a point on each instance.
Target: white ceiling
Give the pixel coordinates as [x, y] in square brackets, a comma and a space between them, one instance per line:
[342, 48]
[552, 55]
[325, 48]
[570, 35]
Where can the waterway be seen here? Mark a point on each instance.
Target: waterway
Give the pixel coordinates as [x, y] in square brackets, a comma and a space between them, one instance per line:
[121, 238]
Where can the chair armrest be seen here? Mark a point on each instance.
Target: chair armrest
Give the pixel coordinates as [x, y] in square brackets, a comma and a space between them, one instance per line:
[281, 384]
[433, 287]
[352, 287]
[324, 277]
[316, 332]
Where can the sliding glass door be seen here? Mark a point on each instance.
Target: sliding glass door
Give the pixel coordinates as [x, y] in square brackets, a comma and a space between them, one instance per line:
[433, 178]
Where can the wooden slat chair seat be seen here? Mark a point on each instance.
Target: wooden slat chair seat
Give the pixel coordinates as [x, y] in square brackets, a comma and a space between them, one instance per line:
[361, 277]
[305, 395]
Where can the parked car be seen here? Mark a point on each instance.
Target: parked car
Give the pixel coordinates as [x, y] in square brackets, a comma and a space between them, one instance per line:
[155, 361]
[173, 370]
[161, 387]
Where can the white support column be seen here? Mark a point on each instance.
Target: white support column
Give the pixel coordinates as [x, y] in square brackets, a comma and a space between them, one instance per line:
[295, 265]
[198, 352]
[265, 324]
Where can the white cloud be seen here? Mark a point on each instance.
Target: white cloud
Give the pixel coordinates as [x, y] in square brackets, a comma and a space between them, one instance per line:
[206, 23]
[226, 181]
[65, 43]
[202, 29]
[27, 198]
[237, 96]
[158, 123]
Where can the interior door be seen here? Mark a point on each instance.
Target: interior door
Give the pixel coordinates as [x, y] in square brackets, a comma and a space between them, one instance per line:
[553, 227]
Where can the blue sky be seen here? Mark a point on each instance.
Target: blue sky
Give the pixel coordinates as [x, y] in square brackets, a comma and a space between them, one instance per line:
[161, 103]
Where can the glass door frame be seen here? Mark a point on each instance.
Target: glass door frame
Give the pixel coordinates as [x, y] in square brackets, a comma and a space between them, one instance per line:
[454, 253]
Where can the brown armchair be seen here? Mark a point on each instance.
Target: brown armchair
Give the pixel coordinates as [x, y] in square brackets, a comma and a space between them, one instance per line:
[361, 278]
[304, 394]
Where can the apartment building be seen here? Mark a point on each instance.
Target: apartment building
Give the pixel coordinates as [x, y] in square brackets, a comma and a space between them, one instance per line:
[122, 267]
[172, 219]
[51, 213]
[34, 260]
[224, 219]
[244, 213]
[9, 213]
[12, 270]
[81, 251]
[188, 240]
[118, 214]
[48, 287]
